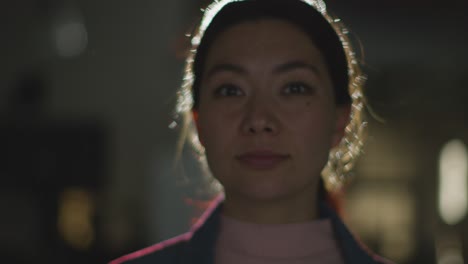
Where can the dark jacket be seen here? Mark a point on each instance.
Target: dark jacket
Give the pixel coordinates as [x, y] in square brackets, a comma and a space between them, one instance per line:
[197, 245]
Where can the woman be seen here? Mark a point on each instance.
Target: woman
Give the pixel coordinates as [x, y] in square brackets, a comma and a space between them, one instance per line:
[274, 92]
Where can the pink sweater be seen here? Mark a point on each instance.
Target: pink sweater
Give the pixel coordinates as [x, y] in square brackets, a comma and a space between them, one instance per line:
[299, 243]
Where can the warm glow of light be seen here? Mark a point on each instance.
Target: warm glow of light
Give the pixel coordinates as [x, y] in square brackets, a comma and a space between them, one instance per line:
[453, 170]
[75, 214]
[392, 224]
[453, 256]
[448, 247]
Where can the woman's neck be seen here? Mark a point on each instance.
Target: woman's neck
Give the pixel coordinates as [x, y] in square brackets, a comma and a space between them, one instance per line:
[301, 207]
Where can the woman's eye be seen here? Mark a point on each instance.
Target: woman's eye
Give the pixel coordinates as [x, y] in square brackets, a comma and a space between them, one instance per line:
[297, 88]
[228, 90]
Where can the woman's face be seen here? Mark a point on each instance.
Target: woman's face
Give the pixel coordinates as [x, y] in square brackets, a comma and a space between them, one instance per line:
[267, 115]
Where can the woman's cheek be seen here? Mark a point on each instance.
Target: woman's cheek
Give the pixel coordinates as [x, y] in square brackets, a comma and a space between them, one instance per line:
[297, 104]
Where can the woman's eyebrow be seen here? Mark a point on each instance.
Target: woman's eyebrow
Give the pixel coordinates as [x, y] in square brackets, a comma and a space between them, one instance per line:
[293, 65]
[225, 67]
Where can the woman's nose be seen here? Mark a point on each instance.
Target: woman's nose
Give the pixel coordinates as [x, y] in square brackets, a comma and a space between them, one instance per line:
[260, 118]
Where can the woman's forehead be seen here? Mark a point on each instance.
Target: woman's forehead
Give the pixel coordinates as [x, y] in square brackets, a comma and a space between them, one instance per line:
[264, 42]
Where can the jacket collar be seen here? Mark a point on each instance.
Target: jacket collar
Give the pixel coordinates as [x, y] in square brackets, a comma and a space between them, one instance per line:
[352, 250]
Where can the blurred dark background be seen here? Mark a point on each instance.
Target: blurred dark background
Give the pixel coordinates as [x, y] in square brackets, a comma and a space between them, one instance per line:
[87, 89]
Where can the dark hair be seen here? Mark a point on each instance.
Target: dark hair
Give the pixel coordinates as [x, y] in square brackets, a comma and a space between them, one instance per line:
[297, 12]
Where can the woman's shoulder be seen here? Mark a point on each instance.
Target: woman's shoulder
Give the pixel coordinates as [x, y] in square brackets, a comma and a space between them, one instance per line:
[197, 243]
[164, 252]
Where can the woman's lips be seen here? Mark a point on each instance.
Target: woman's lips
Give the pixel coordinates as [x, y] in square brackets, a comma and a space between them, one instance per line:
[261, 160]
